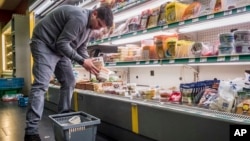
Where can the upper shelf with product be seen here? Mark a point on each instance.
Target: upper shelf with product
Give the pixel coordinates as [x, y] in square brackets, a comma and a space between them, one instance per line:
[168, 19]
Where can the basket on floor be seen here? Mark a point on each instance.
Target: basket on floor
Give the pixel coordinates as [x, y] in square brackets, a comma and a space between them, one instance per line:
[66, 131]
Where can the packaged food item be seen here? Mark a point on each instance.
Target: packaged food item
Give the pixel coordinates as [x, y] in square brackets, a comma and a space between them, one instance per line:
[174, 11]
[162, 15]
[192, 11]
[226, 38]
[153, 18]
[228, 4]
[144, 18]
[103, 75]
[98, 62]
[240, 3]
[146, 45]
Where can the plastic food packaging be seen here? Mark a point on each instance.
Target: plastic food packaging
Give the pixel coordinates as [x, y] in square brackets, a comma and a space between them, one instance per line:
[192, 11]
[174, 11]
[103, 75]
[98, 62]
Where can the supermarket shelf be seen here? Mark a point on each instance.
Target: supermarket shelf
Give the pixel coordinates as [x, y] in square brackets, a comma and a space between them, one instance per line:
[128, 5]
[184, 109]
[245, 58]
[173, 27]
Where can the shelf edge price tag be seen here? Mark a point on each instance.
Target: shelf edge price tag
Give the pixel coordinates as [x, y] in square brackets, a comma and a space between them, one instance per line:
[234, 58]
[156, 62]
[109, 39]
[102, 41]
[144, 31]
[229, 12]
[138, 63]
[242, 9]
[191, 60]
[195, 20]
[134, 33]
[221, 59]
[171, 61]
[119, 36]
[210, 16]
[112, 64]
[165, 27]
[181, 23]
[202, 60]
[147, 62]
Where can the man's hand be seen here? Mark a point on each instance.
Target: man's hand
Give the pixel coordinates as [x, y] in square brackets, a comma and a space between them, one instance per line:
[89, 66]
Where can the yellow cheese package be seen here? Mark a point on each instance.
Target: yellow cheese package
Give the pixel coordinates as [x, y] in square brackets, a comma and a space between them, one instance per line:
[174, 11]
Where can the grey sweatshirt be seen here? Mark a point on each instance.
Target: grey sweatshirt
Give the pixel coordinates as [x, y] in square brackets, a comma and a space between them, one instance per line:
[65, 30]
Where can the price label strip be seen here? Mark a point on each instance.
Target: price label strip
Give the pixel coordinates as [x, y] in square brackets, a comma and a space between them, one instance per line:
[112, 64]
[147, 62]
[242, 9]
[138, 63]
[229, 12]
[221, 59]
[210, 16]
[234, 58]
[171, 61]
[191, 60]
[203, 60]
[156, 62]
[195, 20]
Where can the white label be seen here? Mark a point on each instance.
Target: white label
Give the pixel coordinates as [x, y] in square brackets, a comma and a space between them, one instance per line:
[242, 9]
[181, 23]
[147, 62]
[112, 64]
[228, 12]
[165, 27]
[171, 61]
[138, 63]
[119, 37]
[102, 41]
[109, 39]
[203, 59]
[155, 62]
[221, 59]
[195, 20]
[144, 31]
[210, 16]
[191, 60]
[234, 58]
[134, 33]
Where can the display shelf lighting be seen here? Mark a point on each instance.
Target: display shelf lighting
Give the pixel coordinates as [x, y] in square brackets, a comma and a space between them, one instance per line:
[122, 16]
[226, 21]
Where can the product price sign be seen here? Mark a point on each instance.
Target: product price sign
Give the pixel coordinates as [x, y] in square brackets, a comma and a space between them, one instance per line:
[171, 61]
[242, 9]
[229, 12]
[147, 62]
[119, 36]
[112, 64]
[134, 33]
[144, 31]
[109, 39]
[210, 16]
[102, 40]
[156, 62]
[195, 20]
[221, 59]
[138, 63]
[234, 58]
[165, 27]
[191, 60]
[203, 60]
[181, 23]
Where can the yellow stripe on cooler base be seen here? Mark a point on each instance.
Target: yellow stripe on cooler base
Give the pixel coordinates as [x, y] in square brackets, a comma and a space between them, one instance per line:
[134, 110]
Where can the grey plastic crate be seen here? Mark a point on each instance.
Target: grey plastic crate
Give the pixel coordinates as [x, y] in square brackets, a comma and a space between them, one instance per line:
[65, 131]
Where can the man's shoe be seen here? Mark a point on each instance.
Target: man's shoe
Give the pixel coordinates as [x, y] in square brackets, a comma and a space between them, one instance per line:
[35, 137]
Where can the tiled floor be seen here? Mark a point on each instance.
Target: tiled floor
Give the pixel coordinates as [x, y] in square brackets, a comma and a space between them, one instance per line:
[12, 123]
